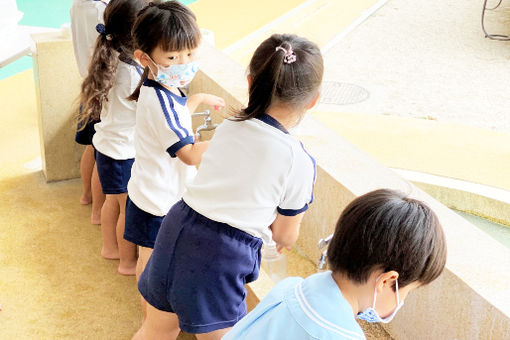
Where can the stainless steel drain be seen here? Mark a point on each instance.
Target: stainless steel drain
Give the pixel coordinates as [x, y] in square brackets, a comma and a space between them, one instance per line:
[338, 93]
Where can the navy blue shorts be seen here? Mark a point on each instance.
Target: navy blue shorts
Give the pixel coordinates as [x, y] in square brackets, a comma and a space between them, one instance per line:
[198, 270]
[84, 136]
[141, 226]
[113, 174]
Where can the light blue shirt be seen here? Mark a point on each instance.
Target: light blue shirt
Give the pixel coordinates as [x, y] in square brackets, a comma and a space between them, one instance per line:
[313, 308]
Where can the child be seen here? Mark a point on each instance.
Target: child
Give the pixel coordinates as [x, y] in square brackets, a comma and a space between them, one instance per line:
[385, 245]
[112, 77]
[85, 16]
[254, 183]
[166, 37]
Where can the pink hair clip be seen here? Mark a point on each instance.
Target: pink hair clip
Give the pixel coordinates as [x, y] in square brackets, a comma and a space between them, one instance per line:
[289, 56]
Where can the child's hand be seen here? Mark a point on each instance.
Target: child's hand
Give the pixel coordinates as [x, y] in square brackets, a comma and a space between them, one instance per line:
[279, 248]
[214, 101]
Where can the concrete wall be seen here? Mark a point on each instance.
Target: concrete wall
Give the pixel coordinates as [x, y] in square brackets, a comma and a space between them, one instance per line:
[470, 300]
[57, 85]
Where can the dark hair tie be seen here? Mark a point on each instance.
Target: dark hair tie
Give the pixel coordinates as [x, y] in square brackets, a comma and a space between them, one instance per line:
[101, 29]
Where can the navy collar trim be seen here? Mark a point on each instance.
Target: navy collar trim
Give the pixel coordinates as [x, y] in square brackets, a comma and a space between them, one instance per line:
[273, 122]
[128, 60]
[152, 83]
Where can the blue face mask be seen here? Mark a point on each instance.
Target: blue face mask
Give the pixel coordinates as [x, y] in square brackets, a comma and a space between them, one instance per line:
[371, 315]
[178, 75]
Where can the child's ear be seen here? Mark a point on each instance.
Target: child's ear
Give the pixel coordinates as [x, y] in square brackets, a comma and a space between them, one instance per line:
[249, 77]
[141, 57]
[386, 279]
[314, 101]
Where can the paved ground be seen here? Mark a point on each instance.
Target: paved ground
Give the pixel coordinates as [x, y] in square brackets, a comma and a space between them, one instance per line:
[428, 59]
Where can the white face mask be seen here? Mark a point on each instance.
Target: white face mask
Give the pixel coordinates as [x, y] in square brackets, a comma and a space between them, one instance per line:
[178, 75]
[371, 315]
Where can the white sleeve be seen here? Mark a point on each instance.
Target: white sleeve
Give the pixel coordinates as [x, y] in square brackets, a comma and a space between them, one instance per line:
[84, 19]
[299, 187]
[170, 128]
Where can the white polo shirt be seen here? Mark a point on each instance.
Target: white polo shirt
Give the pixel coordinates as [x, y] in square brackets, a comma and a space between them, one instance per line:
[115, 133]
[163, 127]
[252, 170]
[85, 15]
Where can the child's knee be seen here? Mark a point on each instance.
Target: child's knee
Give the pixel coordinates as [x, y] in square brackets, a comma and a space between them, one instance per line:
[160, 324]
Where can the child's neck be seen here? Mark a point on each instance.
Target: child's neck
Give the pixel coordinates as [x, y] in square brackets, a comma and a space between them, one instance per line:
[356, 295]
[284, 115]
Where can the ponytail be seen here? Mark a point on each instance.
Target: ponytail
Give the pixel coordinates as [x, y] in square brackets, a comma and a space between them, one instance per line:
[263, 87]
[114, 39]
[99, 81]
[136, 94]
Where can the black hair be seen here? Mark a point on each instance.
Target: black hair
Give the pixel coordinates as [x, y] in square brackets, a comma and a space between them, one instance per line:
[115, 42]
[278, 79]
[169, 25]
[387, 230]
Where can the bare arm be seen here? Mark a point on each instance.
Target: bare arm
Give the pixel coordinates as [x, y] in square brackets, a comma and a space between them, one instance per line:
[286, 229]
[191, 154]
[203, 98]
[193, 101]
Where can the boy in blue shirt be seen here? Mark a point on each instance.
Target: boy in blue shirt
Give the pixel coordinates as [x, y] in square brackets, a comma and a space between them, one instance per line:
[384, 246]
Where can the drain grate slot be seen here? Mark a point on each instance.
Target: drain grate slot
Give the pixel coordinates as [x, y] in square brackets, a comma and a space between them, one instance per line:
[338, 93]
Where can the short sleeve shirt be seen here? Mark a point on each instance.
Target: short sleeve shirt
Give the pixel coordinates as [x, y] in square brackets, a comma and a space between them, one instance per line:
[163, 127]
[252, 170]
[313, 308]
[115, 133]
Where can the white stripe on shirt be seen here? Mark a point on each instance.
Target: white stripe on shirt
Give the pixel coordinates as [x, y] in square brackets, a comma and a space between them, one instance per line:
[315, 317]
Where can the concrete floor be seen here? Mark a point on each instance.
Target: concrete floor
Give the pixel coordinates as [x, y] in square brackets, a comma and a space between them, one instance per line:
[427, 59]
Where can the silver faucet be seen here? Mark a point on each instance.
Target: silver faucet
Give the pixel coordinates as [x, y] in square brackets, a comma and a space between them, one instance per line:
[323, 244]
[208, 124]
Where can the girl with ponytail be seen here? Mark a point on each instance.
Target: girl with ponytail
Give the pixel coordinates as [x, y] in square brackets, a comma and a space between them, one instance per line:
[254, 184]
[166, 37]
[112, 77]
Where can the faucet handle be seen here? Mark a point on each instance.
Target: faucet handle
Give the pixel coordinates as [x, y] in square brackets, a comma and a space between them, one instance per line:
[324, 242]
[205, 113]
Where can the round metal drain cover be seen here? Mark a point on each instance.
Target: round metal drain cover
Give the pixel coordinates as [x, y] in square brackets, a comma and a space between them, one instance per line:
[338, 93]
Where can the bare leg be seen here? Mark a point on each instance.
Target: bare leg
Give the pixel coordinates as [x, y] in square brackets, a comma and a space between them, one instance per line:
[109, 217]
[143, 256]
[158, 325]
[86, 167]
[127, 250]
[98, 197]
[214, 335]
